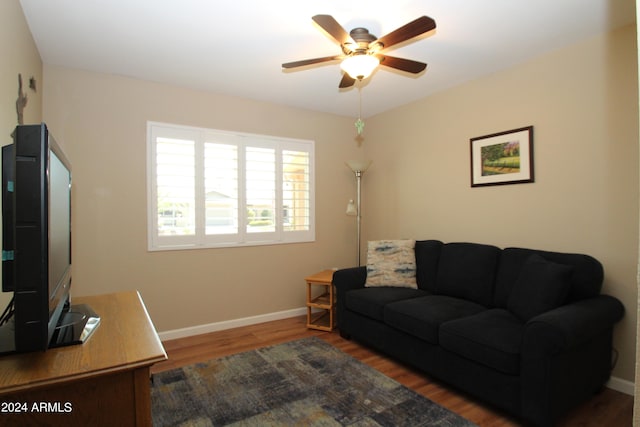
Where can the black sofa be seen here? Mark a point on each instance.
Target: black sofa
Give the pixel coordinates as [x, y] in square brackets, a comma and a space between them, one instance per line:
[525, 330]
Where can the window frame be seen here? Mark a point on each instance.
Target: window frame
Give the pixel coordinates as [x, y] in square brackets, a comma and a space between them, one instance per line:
[200, 239]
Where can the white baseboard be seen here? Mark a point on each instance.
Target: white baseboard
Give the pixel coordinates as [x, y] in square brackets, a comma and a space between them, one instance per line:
[614, 383]
[623, 386]
[229, 324]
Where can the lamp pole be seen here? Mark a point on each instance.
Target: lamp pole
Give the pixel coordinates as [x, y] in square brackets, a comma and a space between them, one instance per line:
[358, 174]
[358, 168]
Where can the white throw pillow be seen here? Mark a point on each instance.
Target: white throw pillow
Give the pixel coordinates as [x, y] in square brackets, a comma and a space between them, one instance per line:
[391, 263]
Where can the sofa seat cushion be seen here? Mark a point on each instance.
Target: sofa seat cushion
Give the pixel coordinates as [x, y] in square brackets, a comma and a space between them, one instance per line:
[370, 302]
[492, 338]
[423, 316]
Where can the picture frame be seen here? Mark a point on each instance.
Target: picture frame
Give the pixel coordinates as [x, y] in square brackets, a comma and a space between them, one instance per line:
[502, 158]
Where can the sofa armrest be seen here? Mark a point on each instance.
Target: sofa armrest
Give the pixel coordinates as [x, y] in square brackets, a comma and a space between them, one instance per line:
[350, 278]
[345, 280]
[566, 356]
[570, 325]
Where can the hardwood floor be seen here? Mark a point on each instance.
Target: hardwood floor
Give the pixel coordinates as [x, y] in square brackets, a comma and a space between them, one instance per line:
[608, 408]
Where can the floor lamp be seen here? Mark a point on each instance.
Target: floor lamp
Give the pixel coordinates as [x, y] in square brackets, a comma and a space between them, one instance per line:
[358, 167]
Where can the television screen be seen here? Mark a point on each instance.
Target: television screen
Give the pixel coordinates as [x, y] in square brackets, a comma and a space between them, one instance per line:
[59, 230]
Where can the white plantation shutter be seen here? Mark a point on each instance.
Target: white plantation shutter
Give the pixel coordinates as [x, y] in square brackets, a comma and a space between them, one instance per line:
[209, 188]
[221, 189]
[260, 190]
[296, 190]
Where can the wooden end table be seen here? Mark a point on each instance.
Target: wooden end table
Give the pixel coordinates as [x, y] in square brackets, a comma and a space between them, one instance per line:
[321, 301]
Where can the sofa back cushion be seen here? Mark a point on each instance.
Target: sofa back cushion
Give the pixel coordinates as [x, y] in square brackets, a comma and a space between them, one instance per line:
[541, 286]
[427, 258]
[585, 281]
[467, 270]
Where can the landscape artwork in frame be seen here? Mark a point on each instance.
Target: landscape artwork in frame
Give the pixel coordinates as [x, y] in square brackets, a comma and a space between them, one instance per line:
[502, 158]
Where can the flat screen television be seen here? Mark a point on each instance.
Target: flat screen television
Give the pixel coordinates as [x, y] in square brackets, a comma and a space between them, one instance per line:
[36, 253]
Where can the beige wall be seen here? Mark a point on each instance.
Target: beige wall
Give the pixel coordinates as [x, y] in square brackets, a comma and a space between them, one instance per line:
[100, 120]
[19, 55]
[583, 104]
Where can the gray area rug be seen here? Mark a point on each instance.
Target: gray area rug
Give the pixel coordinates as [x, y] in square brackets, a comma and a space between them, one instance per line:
[305, 382]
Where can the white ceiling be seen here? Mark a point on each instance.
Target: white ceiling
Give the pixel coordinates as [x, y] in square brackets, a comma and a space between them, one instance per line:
[237, 47]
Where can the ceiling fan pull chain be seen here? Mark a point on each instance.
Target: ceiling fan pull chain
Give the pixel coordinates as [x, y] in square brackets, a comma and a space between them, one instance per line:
[360, 123]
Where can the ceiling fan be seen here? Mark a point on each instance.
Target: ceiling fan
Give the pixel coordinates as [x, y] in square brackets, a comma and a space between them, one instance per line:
[362, 51]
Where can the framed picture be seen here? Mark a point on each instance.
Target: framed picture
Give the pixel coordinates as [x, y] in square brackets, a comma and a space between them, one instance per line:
[502, 158]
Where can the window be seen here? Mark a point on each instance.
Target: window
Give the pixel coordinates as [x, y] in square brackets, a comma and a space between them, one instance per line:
[210, 188]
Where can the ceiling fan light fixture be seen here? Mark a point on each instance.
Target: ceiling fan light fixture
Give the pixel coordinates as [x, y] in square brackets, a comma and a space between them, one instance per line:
[360, 66]
[361, 50]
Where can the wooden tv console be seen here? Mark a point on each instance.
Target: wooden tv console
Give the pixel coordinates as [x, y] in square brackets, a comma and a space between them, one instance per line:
[103, 382]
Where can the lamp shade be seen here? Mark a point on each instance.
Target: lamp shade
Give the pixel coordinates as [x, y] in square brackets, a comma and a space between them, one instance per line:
[351, 208]
[360, 66]
[359, 165]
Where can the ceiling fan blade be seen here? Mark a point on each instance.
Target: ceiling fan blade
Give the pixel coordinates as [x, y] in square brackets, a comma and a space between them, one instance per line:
[304, 62]
[408, 31]
[347, 81]
[402, 64]
[331, 26]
